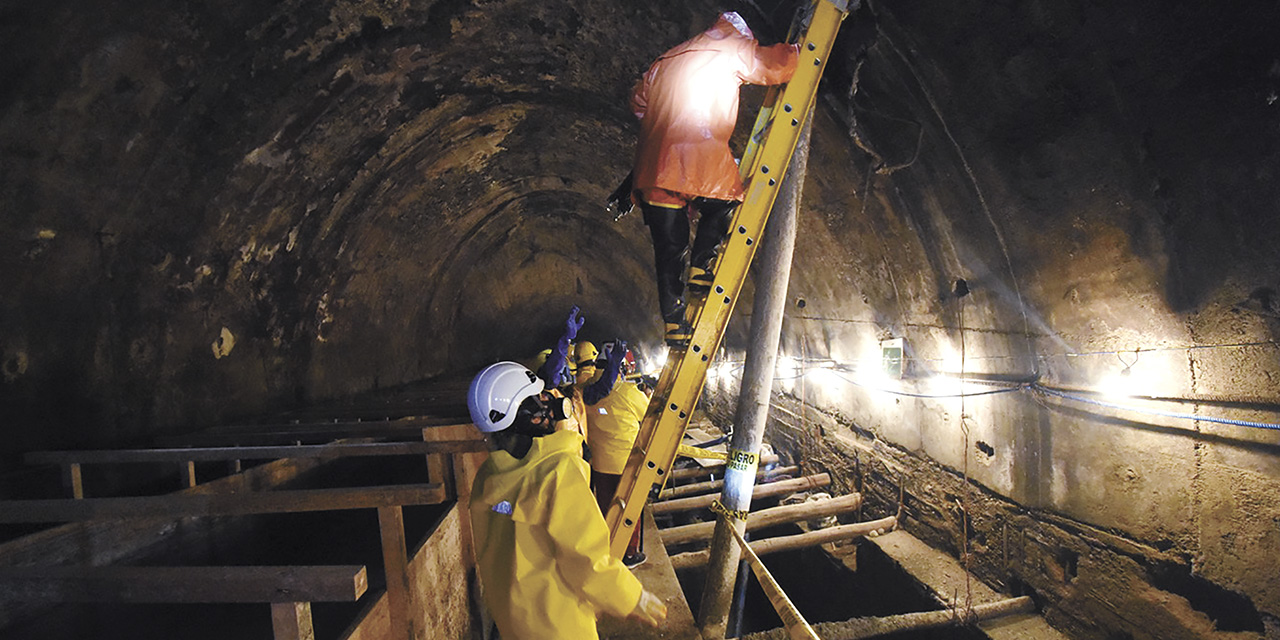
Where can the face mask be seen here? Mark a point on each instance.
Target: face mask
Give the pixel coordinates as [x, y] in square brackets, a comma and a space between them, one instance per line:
[541, 412]
[559, 408]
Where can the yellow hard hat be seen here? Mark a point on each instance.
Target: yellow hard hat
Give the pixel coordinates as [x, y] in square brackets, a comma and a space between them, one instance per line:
[586, 354]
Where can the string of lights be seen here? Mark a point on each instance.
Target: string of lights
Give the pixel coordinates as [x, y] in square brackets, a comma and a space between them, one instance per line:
[838, 371]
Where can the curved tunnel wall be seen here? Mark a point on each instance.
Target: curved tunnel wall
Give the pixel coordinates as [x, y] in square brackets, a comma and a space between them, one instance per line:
[214, 210]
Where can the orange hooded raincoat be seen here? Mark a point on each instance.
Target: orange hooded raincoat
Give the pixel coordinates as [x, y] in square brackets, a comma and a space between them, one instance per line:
[687, 103]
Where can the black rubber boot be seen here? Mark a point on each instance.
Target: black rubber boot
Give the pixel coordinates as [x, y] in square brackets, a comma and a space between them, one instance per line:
[670, 231]
[714, 217]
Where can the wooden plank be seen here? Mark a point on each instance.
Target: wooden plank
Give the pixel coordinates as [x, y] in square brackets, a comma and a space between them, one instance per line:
[188, 473]
[760, 491]
[658, 578]
[284, 434]
[400, 422]
[112, 541]
[69, 583]
[766, 546]
[292, 621]
[767, 518]
[395, 560]
[697, 488]
[181, 505]
[184, 455]
[698, 472]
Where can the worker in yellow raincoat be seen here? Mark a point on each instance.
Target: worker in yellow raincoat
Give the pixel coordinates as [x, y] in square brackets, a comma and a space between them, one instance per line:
[542, 551]
[687, 103]
[612, 425]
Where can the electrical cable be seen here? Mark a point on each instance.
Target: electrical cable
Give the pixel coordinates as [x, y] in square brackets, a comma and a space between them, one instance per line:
[1036, 387]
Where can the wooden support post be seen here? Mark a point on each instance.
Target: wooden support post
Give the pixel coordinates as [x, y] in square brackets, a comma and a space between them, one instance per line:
[395, 559]
[188, 474]
[292, 621]
[760, 491]
[73, 480]
[787, 543]
[767, 518]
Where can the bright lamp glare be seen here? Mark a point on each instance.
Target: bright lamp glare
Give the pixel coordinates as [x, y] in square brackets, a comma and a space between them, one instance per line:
[827, 380]
[658, 361]
[1119, 385]
[787, 367]
[945, 385]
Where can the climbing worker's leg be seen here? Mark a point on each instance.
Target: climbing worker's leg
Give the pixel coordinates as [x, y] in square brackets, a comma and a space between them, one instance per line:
[714, 217]
[670, 230]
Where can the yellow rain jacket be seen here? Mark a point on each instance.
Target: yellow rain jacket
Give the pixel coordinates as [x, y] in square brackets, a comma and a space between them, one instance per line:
[542, 545]
[612, 426]
[687, 103]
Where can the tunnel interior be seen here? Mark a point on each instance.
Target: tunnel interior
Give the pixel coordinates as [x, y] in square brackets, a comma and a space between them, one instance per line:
[1032, 299]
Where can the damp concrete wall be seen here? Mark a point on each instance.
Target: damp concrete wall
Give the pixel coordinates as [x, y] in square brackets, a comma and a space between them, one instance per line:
[218, 210]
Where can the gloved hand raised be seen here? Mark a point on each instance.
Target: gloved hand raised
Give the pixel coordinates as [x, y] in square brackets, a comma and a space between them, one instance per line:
[573, 323]
[616, 355]
[651, 610]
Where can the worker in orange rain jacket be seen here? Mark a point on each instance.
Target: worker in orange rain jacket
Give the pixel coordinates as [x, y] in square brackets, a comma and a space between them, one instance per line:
[687, 103]
[613, 423]
[541, 550]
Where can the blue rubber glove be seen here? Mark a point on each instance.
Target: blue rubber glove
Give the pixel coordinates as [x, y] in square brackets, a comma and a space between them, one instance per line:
[555, 371]
[571, 325]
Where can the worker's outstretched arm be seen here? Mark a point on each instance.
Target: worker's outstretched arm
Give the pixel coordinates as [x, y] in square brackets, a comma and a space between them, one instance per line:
[553, 371]
[596, 391]
[774, 64]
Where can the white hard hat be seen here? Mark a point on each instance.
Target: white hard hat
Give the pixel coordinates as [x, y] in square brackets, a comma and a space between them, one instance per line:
[497, 392]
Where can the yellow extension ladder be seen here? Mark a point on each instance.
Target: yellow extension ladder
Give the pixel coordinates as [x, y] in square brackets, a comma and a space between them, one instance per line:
[764, 163]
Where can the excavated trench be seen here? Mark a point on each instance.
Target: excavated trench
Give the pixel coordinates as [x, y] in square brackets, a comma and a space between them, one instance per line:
[827, 585]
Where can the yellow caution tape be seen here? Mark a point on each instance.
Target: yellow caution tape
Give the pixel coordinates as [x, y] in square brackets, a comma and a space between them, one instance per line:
[703, 454]
[737, 514]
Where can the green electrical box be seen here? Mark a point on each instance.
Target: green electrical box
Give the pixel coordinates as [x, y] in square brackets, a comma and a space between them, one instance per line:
[891, 357]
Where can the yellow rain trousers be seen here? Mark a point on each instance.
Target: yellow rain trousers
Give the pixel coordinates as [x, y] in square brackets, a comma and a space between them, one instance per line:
[542, 545]
[612, 425]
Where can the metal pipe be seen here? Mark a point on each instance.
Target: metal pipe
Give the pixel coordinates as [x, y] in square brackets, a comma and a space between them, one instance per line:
[773, 270]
